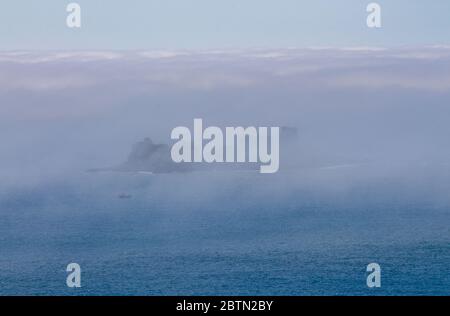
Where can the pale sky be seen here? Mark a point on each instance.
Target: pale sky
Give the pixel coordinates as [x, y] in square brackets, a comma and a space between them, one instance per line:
[210, 24]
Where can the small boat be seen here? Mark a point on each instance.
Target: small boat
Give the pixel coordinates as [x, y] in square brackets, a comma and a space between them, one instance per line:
[124, 196]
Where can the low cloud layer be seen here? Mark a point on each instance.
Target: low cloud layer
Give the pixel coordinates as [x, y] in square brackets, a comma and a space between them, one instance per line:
[69, 111]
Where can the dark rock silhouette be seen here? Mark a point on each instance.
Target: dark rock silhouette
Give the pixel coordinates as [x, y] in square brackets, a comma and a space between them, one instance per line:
[150, 157]
[146, 156]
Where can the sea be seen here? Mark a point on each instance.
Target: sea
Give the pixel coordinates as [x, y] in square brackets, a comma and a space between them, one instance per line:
[213, 233]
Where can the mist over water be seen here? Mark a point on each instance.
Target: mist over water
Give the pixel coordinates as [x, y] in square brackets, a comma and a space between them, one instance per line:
[365, 180]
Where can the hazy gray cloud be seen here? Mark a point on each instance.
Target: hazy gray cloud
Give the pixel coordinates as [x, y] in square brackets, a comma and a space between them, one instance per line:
[65, 111]
[148, 70]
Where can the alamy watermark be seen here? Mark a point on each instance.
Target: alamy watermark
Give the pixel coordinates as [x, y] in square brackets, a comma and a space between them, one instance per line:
[373, 19]
[74, 277]
[236, 144]
[374, 277]
[73, 20]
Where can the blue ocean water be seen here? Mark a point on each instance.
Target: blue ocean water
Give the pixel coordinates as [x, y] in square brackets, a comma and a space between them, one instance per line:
[223, 234]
